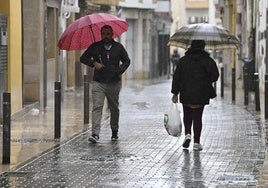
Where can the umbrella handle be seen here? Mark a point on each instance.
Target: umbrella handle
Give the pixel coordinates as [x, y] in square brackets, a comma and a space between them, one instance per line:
[100, 59]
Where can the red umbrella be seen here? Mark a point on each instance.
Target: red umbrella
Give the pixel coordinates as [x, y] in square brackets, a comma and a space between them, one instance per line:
[84, 31]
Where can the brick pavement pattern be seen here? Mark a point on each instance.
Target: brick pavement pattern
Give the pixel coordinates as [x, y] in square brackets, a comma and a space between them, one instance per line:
[146, 156]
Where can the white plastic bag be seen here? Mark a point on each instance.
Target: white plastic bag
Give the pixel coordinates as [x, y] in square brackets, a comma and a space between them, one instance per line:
[172, 121]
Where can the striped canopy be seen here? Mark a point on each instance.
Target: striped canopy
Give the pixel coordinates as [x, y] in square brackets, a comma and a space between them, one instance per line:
[215, 37]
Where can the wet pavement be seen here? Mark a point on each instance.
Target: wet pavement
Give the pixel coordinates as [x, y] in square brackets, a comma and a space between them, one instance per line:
[234, 153]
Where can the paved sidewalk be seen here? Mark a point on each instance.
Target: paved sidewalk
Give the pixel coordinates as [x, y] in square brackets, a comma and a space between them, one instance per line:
[145, 156]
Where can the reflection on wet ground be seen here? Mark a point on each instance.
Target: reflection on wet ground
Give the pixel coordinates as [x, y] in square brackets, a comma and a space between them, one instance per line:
[33, 132]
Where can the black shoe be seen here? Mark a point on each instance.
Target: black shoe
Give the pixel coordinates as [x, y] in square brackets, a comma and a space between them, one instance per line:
[93, 138]
[114, 136]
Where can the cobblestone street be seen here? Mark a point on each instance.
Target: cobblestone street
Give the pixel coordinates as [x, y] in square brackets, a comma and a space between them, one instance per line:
[146, 156]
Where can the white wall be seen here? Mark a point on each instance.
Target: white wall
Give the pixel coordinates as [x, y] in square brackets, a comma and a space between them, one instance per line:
[179, 19]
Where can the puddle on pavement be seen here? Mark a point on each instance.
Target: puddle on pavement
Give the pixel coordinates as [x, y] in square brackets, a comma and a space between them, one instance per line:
[137, 88]
[236, 177]
[141, 105]
[112, 158]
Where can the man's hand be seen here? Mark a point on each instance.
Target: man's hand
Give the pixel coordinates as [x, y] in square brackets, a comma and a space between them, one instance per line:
[174, 98]
[98, 65]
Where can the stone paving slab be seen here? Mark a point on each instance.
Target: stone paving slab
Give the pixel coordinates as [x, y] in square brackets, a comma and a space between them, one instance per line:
[146, 156]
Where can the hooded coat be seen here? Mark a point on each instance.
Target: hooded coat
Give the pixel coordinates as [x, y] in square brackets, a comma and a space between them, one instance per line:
[193, 77]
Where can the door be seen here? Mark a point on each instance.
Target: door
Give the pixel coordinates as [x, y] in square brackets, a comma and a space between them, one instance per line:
[3, 60]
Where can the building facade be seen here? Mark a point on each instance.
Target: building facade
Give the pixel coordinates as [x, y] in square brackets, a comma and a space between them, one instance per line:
[247, 19]
[147, 33]
[11, 52]
[31, 62]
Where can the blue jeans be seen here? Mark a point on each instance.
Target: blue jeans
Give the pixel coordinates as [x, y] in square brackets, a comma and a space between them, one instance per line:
[99, 92]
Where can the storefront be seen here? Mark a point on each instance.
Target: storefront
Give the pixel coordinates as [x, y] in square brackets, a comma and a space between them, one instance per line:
[11, 52]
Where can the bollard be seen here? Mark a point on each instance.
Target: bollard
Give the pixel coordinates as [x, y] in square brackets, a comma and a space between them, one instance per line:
[266, 97]
[233, 84]
[6, 128]
[246, 86]
[222, 82]
[257, 92]
[86, 99]
[57, 112]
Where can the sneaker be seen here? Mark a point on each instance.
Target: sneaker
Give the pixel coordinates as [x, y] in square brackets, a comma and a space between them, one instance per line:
[93, 138]
[186, 141]
[198, 147]
[114, 136]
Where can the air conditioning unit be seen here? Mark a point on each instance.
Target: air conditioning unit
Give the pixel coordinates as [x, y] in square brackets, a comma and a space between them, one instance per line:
[193, 19]
[3, 36]
[160, 26]
[70, 6]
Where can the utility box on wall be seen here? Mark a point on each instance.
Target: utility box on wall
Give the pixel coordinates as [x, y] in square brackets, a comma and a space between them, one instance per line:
[249, 64]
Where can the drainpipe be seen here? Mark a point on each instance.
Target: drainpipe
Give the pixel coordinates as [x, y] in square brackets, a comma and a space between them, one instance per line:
[43, 89]
[62, 53]
[233, 29]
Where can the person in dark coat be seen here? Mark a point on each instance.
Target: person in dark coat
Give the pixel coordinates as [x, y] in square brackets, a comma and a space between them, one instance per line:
[109, 60]
[192, 81]
[175, 59]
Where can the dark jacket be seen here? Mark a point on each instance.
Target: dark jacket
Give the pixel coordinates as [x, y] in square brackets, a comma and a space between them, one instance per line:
[193, 77]
[110, 58]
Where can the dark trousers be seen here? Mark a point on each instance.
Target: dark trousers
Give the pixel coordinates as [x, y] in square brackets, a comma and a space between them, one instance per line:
[193, 116]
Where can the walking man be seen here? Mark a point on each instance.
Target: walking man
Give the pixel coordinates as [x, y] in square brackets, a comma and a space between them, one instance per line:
[110, 60]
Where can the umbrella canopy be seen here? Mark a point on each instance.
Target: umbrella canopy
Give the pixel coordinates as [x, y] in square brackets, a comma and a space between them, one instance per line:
[84, 31]
[216, 37]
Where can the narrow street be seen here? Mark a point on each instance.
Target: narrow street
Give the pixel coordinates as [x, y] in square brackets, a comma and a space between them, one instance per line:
[145, 155]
